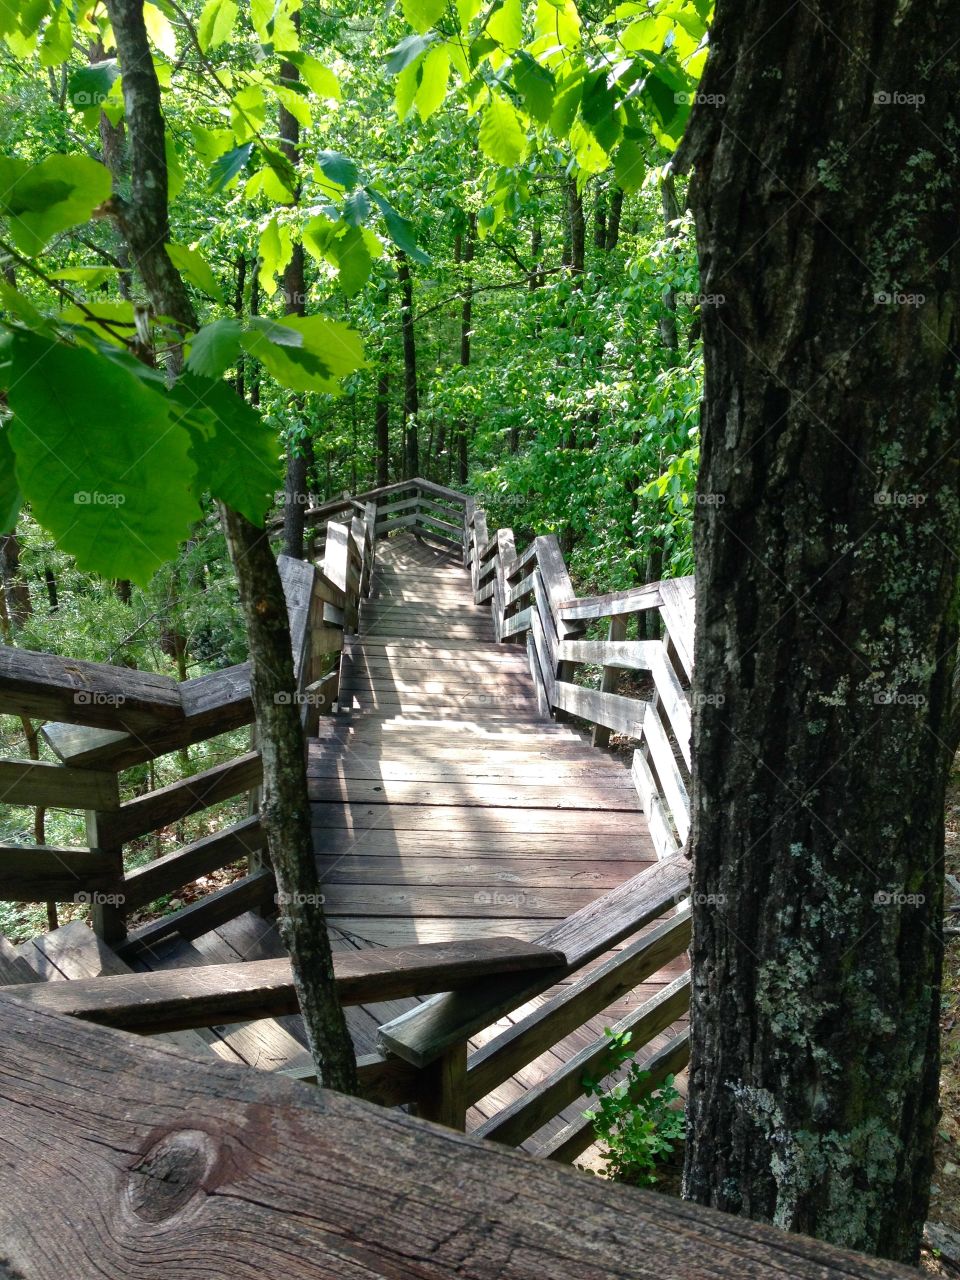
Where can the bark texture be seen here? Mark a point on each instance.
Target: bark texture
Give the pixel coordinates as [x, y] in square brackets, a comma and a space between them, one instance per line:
[825, 186]
[411, 393]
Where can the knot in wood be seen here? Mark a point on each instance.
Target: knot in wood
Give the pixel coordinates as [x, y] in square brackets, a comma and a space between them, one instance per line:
[170, 1174]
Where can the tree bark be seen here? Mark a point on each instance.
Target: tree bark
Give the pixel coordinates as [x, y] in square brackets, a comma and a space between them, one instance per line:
[466, 337]
[826, 534]
[286, 809]
[411, 394]
[577, 231]
[668, 316]
[15, 586]
[613, 219]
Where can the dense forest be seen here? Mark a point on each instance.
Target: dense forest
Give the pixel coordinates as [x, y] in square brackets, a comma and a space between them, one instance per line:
[257, 257]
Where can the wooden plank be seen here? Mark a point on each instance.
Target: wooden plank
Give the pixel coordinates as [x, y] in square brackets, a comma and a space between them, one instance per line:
[47, 687]
[625, 715]
[574, 1139]
[255, 890]
[178, 999]
[672, 785]
[541, 1103]
[664, 840]
[677, 609]
[614, 794]
[574, 824]
[610, 678]
[40, 873]
[13, 967]
[186, 864]
[596, 989]
[497, 871]
[613, 604]
[448, 902]
[632, 655]
[34, 782]
[673, 699]
[429, 1030]
[168, 804]
[631, 847]
[316, 1184]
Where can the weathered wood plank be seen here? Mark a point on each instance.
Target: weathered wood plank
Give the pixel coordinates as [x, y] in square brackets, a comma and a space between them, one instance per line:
[677, 610]
[661, 834]
[613, 604]
[672, 785]
[40, 873]
[253, 891]
[186, 864]
[614, 794]
[157, 808]
[34, 782]
[625, 715]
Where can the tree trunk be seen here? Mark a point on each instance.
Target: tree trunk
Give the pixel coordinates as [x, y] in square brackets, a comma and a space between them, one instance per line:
[577, 231]
[382, 420]
[466, 339]
[600, 219]
[238, 312]
[286, 809]
[826, 534]
[613, 219]
[411, 394]
[19, 604]
[668, 316]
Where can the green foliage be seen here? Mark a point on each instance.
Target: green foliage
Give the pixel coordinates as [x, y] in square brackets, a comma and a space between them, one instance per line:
[635, 1125]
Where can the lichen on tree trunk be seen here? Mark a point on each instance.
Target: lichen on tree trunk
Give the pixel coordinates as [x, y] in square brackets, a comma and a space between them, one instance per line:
[828, 522]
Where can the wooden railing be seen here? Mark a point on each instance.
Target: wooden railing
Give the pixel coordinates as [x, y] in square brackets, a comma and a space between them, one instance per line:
[102, 720]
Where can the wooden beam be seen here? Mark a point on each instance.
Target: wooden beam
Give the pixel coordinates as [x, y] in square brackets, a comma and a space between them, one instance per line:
[41, 873]
[249, 894]
[186, 864]
[51, 786]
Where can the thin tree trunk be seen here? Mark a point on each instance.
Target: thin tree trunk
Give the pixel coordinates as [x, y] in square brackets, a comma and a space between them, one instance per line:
[577, 231]
[382, 419]
[613, 219]
[238, 312]
[466, 338]
[15, 585]
[286, 808]
[411, 395]
[600, 219]
[826, 536]
[668, 316]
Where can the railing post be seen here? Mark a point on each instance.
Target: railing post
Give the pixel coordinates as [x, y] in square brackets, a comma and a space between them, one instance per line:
[608, 682]
[442, 1095]
[107, 913]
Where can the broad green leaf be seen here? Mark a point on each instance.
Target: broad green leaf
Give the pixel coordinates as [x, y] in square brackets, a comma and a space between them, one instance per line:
[434, 74]
[216, 23]
[535, 84]
[224, 170]
[338, 168]
[557, 29]
[275, 249]
[353, 260]
[194, 267]
[567, 102]
[356, 208]
[590, 156]
[89, 86]
[506, 26]
[265, 182]
[405, 89]
[318, 239]
[210, 144]
[8, 17]
[42, 199]
[215, 348]
[502, 136]
[399, 229]
[176, 177]
[599, 110]
[630, 165]
[407, 51]
[423, 14]
[234, 449]
[92, 277]
[119, 321]
[318, 77]
[57, 42]
[160, 31]
[273, 23]
[328, 352]
[103, 465]
[295, 103]
[11, 499]
[467, 10]
[248, 112]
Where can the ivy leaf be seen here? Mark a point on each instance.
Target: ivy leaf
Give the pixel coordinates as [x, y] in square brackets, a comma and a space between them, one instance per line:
[536, 84]
[11, 499]
[434, 74]
[405, 52]
[399, 229]
[338, 168]
[502, 136]
[353, 260]
[42, 199]
[235, 450]
[225, 168]
[216, 23]
[99, 459]
[306, 353]
[214, 348]
[90, 86]
[195, 268]
[423, 14]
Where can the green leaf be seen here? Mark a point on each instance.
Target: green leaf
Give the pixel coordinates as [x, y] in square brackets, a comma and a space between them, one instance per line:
[99, 459]
[630, 165]
[535, 84]
[423, 14]
[356, 208]
[502, 136]
[235, 451]
[57, 42]
[434, 74]
[338, 168]
[405, 52]
[11, 499]
[325, 352]
[353, 259]
[506, 25]
[318, 238]
[320, 78]
[276, 250]
[405, 89]
[92, 277]
[42, 199]
[121, 316]
[216, 23]
[194, 267]
[90, 86]
[225, 169]
[214, 348]
[160, 31]
[399, 229]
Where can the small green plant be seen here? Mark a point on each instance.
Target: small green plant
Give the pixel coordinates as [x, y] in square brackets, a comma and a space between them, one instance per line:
[635, 1126]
